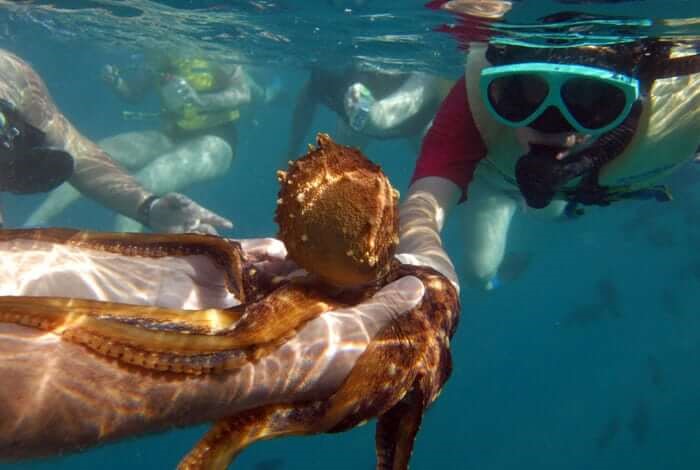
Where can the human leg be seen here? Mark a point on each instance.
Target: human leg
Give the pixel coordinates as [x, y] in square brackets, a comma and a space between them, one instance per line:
[195, 160]
[485, 219]
[132, 150]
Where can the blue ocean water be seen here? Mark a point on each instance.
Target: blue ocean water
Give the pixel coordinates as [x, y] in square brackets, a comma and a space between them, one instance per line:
[541, 378]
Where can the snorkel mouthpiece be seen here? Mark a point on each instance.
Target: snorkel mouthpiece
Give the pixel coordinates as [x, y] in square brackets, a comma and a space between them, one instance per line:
[541, 175]
[538, 174]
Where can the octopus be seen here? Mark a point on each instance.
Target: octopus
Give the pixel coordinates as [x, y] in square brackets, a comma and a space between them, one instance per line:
[337, 214]
[270, 356]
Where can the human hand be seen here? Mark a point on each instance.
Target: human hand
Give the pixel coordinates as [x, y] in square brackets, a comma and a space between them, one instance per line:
[269, 256]
[64, 369]
[439, 263]
[176, 94]
[273, 91]
[176, 213]
[110, 74]
[358, 103]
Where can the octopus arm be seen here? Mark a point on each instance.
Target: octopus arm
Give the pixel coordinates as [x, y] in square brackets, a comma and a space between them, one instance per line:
[396, 431]
[154, 337]
[383, 380]
[212, 340]
[58, 397]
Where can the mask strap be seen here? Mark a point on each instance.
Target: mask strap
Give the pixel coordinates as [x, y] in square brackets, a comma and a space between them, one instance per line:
[679, 66]
[589, 161]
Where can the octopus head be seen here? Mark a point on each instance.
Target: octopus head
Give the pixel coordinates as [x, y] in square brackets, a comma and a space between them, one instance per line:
[338, 214]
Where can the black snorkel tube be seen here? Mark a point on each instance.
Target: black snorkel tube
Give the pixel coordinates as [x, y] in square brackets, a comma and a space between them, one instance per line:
[540, 175]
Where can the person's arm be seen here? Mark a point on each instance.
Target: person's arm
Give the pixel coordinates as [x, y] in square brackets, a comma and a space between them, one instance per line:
[407, 101]
[131, 89]
[58, 397]
[239, 92]
[451, 150]
[98, 177]
[422, 216]
[304, 111]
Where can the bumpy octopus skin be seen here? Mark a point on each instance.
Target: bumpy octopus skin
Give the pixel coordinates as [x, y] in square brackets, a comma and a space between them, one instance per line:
[338, 214]
[292, 358]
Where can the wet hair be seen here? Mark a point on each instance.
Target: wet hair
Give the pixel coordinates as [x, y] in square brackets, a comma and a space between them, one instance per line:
[644, 59]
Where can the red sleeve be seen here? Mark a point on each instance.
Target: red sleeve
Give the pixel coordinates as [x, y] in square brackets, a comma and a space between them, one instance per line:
[453, 146]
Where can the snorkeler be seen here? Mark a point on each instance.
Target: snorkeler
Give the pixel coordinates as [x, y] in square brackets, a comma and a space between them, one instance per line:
[370, 104]
[40, 149]
[558, 127]
[201, 103]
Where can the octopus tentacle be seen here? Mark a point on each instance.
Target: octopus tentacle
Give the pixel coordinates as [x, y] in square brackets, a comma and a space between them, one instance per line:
[388, 380]
[396, 431]
[227, 255]
[189, 341]
[228, 437]
[195, 342]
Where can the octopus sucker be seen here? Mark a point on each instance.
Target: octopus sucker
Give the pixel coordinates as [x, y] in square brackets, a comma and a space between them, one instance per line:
[194, 364]
[96, 324]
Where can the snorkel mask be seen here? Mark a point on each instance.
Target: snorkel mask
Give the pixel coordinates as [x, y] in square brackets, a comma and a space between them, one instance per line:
[592, 100]
[597, 90]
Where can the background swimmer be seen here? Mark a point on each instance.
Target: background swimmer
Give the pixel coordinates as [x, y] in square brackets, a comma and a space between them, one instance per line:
[370, 104]
[93, 172]
[201, 103]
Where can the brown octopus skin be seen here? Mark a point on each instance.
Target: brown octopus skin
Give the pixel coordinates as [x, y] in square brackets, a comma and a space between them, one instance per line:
[338, 214]
[170, 339]
[79, 398]
[60, 397]
[399, 375]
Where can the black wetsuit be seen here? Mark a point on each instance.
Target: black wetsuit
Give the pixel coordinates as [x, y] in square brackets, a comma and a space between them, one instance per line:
[27, 165]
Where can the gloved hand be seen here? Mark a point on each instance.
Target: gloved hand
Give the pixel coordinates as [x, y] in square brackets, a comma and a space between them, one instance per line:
[63, 367]
[439, 264]
[176, 94]
[358, 103]
[269, 257]
[176, 213]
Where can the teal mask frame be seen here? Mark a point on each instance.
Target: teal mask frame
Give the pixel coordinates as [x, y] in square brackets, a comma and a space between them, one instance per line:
[556, 75]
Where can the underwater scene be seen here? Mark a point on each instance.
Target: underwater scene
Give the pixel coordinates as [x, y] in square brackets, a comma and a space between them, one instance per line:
[349, 234]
